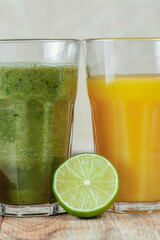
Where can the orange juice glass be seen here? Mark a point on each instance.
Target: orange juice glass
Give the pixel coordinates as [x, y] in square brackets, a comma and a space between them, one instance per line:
[124, 90]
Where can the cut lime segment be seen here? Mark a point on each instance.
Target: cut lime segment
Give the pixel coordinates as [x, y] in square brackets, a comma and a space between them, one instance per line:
[86, 185]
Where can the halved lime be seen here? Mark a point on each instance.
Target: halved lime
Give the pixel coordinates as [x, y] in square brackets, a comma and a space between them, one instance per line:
[86, 185]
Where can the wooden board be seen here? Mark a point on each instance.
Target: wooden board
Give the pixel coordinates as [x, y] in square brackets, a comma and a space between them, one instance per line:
[108, 226]
[1, 219]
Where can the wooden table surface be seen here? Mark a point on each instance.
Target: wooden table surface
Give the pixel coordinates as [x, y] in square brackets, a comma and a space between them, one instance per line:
[108, 226]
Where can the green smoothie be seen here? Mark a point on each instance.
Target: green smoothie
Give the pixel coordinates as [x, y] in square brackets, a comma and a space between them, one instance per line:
[36, 109]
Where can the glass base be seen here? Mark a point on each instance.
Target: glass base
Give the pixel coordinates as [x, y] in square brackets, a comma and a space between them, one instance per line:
[30, 210]
[149, 207]
[55, 208]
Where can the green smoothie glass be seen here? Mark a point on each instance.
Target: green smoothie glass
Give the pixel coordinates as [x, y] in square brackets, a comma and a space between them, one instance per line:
[38, 83]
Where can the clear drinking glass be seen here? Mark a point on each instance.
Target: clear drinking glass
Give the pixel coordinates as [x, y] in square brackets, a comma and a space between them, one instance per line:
[124, 90]
[38, 84]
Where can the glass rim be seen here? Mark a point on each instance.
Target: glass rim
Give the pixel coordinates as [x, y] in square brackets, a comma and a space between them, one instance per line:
[33, 40]
[121, 38]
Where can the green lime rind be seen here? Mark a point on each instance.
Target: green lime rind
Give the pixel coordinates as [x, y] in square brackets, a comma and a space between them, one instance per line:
[87, 213]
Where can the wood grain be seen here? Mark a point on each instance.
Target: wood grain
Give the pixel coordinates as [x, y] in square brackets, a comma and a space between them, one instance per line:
[1, 219]
[109, 226]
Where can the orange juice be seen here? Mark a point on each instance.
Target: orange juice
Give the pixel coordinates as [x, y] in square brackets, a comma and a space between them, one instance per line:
[126, 126]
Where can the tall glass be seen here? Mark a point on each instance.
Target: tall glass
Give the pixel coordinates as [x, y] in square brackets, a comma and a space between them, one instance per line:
[38, 83]
[124, 91]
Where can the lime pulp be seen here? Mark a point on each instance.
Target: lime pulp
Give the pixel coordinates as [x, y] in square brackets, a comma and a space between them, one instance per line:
[86, 185]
